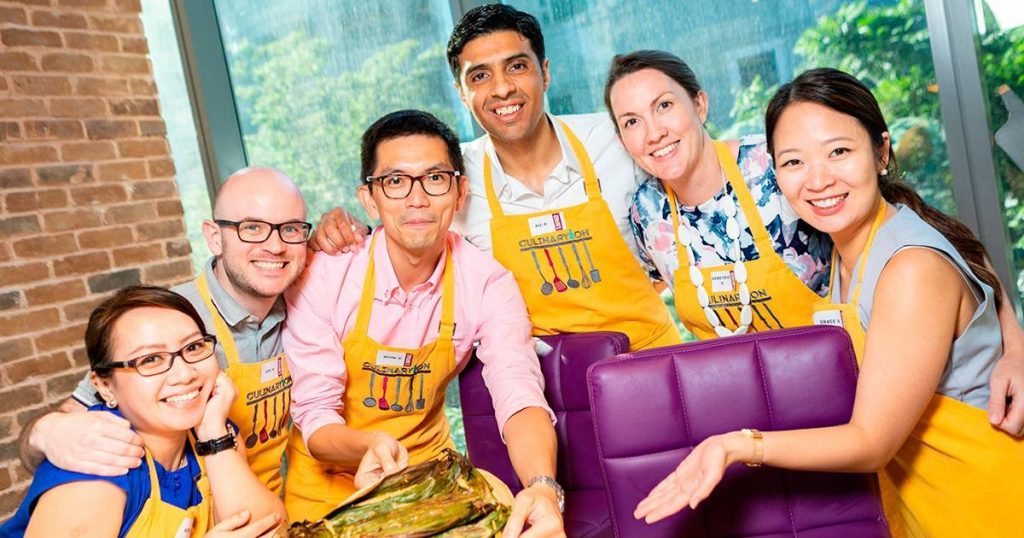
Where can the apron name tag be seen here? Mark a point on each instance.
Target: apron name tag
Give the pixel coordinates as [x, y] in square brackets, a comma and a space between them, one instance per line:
[828, 317]
[271, 370]
[185, 529]
[722, 281]
[394, 358]
[545, 224]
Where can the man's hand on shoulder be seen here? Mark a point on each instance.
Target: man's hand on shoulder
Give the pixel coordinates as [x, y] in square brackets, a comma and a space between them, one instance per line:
[91, 443]
[338, 231]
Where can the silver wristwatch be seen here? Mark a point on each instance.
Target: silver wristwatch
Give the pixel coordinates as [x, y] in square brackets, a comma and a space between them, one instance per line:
[553, 484]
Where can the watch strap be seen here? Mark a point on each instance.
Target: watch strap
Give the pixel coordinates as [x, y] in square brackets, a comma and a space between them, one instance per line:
[220, 444]
[553, 484]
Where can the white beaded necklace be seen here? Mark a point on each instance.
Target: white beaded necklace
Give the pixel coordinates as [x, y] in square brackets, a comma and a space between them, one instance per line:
[688, 234]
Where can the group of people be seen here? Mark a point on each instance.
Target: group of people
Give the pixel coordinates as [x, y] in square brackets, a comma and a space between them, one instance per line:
[340, 365]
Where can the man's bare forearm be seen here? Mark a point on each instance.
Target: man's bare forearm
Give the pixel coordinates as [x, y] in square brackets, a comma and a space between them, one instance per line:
[31, 454]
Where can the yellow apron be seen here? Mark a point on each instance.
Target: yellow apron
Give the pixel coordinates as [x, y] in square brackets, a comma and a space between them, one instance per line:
[574, 268]
[955, 475]
[264, 398]
[393, 390]
[158, 518]
[778, 297]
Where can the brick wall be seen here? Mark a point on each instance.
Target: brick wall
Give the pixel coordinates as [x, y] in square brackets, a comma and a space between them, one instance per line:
[88, 202]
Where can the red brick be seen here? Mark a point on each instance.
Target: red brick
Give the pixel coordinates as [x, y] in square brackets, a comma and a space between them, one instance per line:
[125, 65]
[58, 20]
[27, 154]
[80, 311]
[70, 63]
[108, 129]
[143, 87]
[121, 171]
[23, 322]
[65, 174]
[136, 45]
[138, 254]
[149, 147]
[152, 128]
[102, 86]
[178, 248]
[106, 238]
[34, 200]
[60, 338]
[169, 208]
[130, 213]
[20, 397]
[82, 264]
[46, 246]
[75, 219]
[11, 499]
[147, 190]
[14, 349]
[14, 15]
[84, 3]
[38, 367]
[88, 151]
[60, 387]
[55, 292]
[20, 272]
[18, 37]
[9, 131]
[10, 300]
[21, 108]
[17, 61]
[7, 430]
[150, 231]
[168, 273]
[53, 129]
[79, 357]
[34, 85]
[134, 107]
[14, 178]
[22, 224]
[80, 40]
[161, 168]
[114, 281]
[99, 194]
[129, 24]
[4, 86]
[78, 108]
[126, 6]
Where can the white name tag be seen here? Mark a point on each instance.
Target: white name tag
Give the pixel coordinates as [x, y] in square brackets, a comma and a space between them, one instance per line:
[828, 317]
[722, 281]
[271, 370]
[545, 224]
[393, 358]
[185, 529]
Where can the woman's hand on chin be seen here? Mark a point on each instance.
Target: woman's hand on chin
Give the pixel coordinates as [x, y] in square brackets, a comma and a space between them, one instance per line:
[218, 406]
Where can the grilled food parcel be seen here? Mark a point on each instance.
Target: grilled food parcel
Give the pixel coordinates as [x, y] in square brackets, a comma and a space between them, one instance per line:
[441, 497]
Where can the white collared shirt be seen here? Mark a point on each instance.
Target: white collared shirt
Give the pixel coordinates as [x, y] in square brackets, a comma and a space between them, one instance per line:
[618, 174]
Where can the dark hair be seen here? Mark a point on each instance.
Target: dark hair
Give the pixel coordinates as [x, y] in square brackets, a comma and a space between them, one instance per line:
[407, 123]
[99, 333]
[667, 63]
[484, 20]
[843, 93]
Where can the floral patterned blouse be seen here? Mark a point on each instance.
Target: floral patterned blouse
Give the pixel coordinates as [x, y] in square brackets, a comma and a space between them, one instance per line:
[806, 251]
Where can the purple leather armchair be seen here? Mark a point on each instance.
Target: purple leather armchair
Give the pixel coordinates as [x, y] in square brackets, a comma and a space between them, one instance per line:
[652, 407]
[565, 374]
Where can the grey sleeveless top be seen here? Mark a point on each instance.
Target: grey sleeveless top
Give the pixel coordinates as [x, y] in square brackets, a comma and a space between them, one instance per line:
[976, 351]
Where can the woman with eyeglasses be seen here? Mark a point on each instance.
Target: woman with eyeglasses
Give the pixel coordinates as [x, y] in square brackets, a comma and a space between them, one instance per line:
[150, 362]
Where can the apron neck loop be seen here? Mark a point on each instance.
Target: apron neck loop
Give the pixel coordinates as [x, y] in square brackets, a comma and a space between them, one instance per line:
[862, 259]
[220, 327]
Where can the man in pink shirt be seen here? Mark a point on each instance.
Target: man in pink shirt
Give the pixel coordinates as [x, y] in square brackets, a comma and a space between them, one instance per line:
[375, 335]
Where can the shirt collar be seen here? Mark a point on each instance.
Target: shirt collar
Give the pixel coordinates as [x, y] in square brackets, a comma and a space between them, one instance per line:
[569, 163]
[387, 284]
[229, 309]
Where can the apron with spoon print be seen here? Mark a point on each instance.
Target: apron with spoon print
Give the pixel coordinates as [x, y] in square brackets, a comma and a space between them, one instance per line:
[573, 267]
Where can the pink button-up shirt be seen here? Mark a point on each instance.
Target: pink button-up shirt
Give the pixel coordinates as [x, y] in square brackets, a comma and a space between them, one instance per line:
[324, 302]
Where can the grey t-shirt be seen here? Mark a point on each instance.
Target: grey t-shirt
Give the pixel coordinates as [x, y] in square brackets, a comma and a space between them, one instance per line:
[256, 341]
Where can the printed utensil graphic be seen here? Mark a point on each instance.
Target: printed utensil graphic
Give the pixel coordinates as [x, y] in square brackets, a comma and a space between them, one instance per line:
[546, 288]
[398, 394]
[263, 432]
[370, 401]
[382, 403]
[420, 402]
[559, 285]
[408, 404]
[595, 275]
[250, 441]
[286, 406]
[572, 282]
[579, 262]
[273, 430]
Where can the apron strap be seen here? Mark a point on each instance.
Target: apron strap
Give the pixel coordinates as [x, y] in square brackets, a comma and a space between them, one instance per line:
[224, 337]
[862, 261]
[366, 299]
[590, 182]
[154, 481]
[743, 196]
[492, 197]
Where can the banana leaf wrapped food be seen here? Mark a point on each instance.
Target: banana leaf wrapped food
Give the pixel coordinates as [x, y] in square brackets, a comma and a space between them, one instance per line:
[441, 497]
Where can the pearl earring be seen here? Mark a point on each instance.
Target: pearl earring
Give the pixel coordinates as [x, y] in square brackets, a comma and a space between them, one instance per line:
[112, 404]
[884, 172]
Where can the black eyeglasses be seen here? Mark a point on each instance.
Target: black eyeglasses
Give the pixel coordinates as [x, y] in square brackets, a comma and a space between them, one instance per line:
[398, 186]
[157, 363]
[257, 231]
